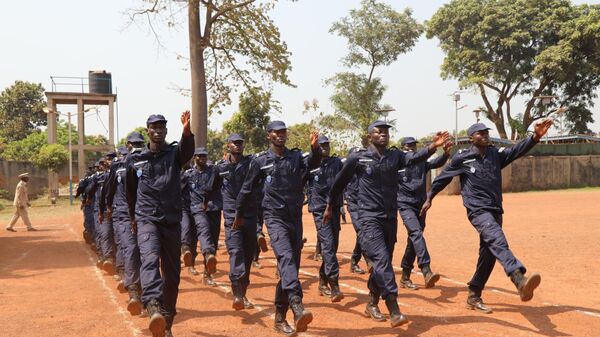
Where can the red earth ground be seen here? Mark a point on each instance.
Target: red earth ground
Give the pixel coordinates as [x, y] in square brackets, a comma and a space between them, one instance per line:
[49, 285]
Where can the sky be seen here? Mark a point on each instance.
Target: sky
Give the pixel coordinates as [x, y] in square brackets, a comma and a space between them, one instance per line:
[70, 37]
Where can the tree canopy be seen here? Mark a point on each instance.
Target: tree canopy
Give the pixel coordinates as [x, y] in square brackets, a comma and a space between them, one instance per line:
[528, 48]
[21, 110]
[377, 35]
[251, 120]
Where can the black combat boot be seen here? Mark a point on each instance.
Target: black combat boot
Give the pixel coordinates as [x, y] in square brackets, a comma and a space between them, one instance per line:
[238, 298]
[525, 285]
[474, 301]
[158, 322]
[430, 277]
[372, 310]
[134, 305]
[262, 242]
[186, 254]
[302, 317]
[405, 281]
[324, 287]
[211, 263]
[336, 294]
[354, 268]
[207, 279]
[109, 266]
[396, 317]
[281, 325]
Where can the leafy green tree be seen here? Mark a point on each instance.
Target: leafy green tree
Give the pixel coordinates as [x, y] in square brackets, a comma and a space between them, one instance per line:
[216, 145]
[21, 110]
[526, 48]
[377, 35]
[26, 148]
[51, 157]
[299, 136]
[251, 120]
[234, 42]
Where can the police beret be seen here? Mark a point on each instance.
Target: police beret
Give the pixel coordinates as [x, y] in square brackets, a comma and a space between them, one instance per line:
[476, 127]
[408, 140]
[323, 139]
[123, 150]
[200, 151]
[276, 125]
[378, 124]
[111, 154]
[155, 119]
[234, 137]
[135, 137]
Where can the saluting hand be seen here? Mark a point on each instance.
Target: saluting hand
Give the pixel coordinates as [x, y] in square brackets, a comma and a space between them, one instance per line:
[185, 121]
[314, 137]
[440, 138]
[541, 128]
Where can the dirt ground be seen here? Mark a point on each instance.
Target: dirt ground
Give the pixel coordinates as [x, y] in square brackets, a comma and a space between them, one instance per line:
[49, 285]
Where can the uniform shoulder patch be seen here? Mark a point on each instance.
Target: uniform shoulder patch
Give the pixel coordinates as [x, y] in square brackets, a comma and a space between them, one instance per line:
[296, 149]
[501, 149]
[393, 148]
[174, 143]
[260, 154]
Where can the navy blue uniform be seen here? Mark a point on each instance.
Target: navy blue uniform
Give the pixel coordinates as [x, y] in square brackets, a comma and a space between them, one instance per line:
[189, 236]
[481, 190]
[241, 242]
[377, 178]
[153, 188]
[284, 178]
[351, 197]
[411, 196]
[103, 231]
[208, 223]
[88, 209]
[116, 200]
[319, 183]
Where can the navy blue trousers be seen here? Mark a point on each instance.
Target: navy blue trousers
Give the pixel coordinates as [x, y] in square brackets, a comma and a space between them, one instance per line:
[104, 237]
[492, 246]
[88, 219]
[329, 236]
[377, 238]
[129, 248]
[160, 251]
[189, 235]
[241, 246]
[119, 253]
[357, 252]
[208, 228]
[416, 248]
[286, 241]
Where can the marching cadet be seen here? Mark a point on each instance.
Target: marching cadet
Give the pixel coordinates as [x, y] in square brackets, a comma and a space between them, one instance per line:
[377, 170]
[351, 197]
[284, 173]
[105, 243]
[412, 187]
[153, 192]
[480, 170]
[240, 238]
[117, 209]
[207, 219]
[189, 236]
[88, 210]
[319, 183]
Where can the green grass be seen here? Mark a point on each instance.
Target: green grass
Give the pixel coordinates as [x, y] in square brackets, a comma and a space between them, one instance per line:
[39, 207]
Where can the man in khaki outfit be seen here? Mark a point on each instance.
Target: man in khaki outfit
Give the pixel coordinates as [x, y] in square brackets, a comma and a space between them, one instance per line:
[21, 203]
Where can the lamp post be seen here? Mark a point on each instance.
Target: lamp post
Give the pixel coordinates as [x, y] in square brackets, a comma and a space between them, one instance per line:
[477, 112]
[48, 110]
[456, 98]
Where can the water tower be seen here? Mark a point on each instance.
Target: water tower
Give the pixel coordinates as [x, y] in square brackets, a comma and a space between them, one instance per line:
[94, 90]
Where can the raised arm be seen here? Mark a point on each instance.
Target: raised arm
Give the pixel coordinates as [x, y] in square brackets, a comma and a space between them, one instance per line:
[508, 155]
[441, 160]
[186, 144]
[412, 158]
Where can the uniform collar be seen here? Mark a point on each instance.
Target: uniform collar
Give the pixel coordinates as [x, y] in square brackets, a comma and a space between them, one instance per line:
[373, 150]
[164, 147]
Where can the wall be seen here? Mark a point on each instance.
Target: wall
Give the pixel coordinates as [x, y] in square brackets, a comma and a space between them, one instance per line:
[38, 178]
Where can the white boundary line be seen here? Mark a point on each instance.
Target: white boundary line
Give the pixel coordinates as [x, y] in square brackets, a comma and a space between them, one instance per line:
[588, 313]
[135, 332]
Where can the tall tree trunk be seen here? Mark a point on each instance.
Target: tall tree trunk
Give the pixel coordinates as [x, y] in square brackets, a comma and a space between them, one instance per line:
[199, 100]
